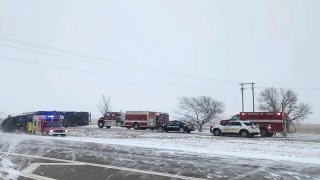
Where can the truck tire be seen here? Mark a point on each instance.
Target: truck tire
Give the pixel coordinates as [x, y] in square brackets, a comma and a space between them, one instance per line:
[216, 132]
[100, 125]
[160, 129]
[136, 126]
[264, 132]
[188, 131]
[108, 127]
[244, 133]
[182, 130]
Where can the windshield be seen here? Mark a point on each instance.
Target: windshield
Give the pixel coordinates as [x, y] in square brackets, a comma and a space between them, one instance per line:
[54, 124]
[235, 117]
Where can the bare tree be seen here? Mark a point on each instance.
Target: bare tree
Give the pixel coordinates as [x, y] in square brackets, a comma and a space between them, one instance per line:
[286, 101]
[104, 105]
[200, 110]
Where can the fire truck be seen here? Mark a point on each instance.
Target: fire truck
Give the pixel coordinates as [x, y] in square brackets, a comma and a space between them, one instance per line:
[49, 124]
[111, 119]
[40, 122]
[134, 119]
[269, 123]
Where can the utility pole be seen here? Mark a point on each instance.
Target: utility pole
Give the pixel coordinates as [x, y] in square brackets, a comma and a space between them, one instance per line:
[242, 84]
[252, 88]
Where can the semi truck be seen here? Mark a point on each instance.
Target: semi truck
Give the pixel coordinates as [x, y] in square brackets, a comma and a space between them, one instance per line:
[134, 119]
[269, 123]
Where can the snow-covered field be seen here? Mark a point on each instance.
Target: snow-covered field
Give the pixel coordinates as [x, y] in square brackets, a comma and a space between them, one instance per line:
[293, 148]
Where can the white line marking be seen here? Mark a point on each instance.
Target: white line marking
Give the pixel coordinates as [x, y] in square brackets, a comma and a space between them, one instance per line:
[30, 169]
[30, 175]
[69, 162]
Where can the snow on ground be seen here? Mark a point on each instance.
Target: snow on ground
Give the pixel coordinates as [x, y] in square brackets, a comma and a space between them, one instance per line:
[276, 148]
[293, 148]
[6, 164]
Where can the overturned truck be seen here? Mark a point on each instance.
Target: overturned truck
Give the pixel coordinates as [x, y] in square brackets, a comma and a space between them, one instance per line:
[72, 118]
[22, 122]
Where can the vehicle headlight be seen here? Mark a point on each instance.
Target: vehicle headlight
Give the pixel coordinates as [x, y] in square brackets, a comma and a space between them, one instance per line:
[51, 130]
[65, 130]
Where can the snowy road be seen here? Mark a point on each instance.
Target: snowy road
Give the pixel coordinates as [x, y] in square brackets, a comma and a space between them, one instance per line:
[122, 154]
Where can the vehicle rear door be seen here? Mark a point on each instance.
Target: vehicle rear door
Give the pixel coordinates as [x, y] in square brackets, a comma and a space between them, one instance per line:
[236, 126]
[174, 126]
[227, 128]
[177, 126]
[170, 125]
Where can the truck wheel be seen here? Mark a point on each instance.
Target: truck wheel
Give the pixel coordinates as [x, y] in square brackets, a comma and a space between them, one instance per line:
[188, 131]
[244, 133]
[160, 129]
[100, 125]
[264, 132]
[216, 132]
[108, 127]
[136, 126]
[182, 130]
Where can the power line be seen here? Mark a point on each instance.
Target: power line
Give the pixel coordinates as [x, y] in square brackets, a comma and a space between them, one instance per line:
[76, 59]
[99, 73]
[148, 69]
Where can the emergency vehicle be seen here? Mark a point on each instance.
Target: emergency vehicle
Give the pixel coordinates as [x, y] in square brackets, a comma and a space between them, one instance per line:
[49, 124]
[269, 123]
[237, 127]
[40, 122]
[111, 119]
[134, 119]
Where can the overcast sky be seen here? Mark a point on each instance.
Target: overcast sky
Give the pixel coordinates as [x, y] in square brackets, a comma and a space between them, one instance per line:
[144, 54]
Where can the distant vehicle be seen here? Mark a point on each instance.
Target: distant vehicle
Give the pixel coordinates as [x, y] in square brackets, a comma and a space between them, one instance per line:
[134, 119]
[111, 119]
[269, 122]
[40, 122]
[236, 127]
[176, 126]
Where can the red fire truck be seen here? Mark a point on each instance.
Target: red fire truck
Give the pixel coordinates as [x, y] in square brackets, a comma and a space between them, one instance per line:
[269, 122]
[134, 119]
[48, 125]
[111, 119]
